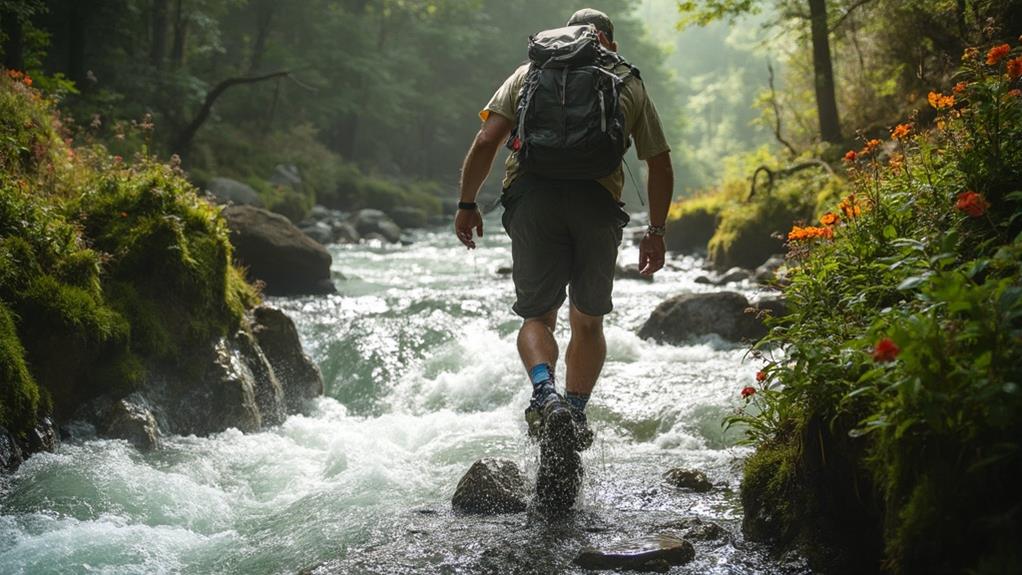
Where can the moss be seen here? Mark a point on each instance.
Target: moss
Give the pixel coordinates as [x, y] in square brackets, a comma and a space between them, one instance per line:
[691, 222]
[21, 400]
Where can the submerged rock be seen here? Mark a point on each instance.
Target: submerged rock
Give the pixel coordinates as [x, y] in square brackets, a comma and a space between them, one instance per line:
[368, 222]
[131, 419]
[726, 314]
[278, 253]
[688, 479]
[694, 528]
[655, 553]
[491, 486]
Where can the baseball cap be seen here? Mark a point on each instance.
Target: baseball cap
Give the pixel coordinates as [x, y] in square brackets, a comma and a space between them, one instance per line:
[598, 19]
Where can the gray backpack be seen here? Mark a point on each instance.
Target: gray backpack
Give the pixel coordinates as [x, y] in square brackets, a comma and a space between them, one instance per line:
[569, 123]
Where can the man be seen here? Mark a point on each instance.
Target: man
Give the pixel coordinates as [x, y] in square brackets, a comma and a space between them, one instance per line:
[566, 233]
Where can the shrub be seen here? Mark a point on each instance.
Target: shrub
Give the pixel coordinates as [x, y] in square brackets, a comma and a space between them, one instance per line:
[904, 340]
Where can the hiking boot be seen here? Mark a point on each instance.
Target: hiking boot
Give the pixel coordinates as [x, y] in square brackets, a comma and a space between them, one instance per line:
[583, 433]
[560, 465]
[534, 414]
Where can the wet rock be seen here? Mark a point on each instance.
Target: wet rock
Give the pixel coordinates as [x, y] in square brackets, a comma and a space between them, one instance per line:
[771, 271]
[705, 281]
[278, 253]
[630, 272]
[504, 271]
[491, 486]
[43, 437]
[286, 175]
[300, 378]
[228, 191]
[688, 479]
[320, 232]
[727, 314]
[409, 217]
[734, 275]
[11, 456]
[696, 529]
[655, 553]
[267, 389]
[131, 419]
[345, 233]
[370, 221]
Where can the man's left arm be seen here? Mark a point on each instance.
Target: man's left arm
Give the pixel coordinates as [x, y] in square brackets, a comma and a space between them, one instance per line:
[660, 188]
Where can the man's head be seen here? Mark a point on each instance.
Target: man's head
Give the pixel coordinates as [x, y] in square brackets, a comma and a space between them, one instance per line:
[599, 20]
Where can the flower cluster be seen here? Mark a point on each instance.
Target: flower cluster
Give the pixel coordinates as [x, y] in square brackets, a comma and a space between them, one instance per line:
[798, 233]
[829, 219]
[901, 131]
[850, 207]
[19, 77]
[851, 156]
[1015, 69]
[997, 53]
[972, 204]
[940, 101]
[748, 391]
[960, 87]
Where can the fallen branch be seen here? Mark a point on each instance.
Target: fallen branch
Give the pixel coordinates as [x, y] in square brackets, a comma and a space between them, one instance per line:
[773, 176]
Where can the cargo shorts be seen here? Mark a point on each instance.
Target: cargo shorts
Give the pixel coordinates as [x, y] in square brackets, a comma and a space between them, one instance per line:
[564, 233]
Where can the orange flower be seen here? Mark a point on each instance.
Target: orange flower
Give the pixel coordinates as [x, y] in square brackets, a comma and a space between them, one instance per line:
[761, 376]
[972, 204]
[1015, 68]
[850, 156]
[901, 131]
[970, 54]
[940, 101]
[896, 161]
[850, 207]
[829, 219]
[1016, 93]
[870, 146]
[799, 233]
[959, 87]
[14, 74]
[26, 80]
[997, 53]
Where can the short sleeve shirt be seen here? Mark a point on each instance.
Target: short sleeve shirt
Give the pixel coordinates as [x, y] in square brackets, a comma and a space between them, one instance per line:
[642, 123]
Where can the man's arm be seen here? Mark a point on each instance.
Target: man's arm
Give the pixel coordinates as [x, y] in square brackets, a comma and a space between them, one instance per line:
[477, 166]
[660, 189]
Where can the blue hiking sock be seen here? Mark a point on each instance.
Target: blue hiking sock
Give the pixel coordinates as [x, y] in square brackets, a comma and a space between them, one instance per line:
[577, 400]
[542, 382]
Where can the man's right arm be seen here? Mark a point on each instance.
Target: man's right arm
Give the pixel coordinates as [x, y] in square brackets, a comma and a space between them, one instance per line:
[478, 162]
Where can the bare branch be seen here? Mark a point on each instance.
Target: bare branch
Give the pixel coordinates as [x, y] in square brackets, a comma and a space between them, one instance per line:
[777, 115]
[773, 176]
[843, 17]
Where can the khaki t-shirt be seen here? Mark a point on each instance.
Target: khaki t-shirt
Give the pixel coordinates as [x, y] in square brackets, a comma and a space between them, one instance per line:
[641, 122]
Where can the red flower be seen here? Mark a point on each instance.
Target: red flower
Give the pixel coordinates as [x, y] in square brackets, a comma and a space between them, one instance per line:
[851, 156]
[972, 204]
[885, 351]
[748, 391]
[760, 376]
[997, 53]
[1016, 93]
[1015, 69]
[960, 87]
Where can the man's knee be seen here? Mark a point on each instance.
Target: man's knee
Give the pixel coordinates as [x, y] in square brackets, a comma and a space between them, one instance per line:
[549, 319]
[581, 322]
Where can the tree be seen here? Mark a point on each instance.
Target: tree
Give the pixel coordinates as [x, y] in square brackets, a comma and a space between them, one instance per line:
[706, 11]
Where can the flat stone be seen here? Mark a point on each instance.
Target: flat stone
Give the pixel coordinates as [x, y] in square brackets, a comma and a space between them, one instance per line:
[652, 553]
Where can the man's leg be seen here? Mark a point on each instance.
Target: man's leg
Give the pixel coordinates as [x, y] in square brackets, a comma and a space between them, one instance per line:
[536, 343]
[586, 353]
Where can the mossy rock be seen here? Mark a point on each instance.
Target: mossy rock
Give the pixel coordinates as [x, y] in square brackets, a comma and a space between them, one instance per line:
[21, 400]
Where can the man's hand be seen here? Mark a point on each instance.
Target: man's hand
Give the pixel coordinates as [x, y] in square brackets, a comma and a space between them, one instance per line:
[464, 222]
[651, 254]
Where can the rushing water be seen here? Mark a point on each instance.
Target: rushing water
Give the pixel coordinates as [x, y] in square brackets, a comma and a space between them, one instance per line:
[422, 378]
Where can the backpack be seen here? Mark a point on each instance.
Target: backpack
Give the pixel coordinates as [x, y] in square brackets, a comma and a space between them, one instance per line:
[569, 122]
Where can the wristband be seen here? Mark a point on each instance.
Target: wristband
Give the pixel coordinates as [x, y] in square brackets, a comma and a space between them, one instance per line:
[656, 230]
[467, 205]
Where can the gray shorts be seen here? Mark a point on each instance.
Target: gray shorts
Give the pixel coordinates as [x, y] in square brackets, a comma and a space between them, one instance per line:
[563, 233]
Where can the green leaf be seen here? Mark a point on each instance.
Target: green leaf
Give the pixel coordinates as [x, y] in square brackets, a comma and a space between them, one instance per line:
[912, 282]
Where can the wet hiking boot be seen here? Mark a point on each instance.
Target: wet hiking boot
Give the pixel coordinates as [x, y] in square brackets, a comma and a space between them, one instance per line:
[583, 433]
[560, 465]
[534, 419]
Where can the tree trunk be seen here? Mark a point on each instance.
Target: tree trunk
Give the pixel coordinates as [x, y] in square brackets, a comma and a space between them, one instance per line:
[14, 40]
[264, 19]
[177, 53]
[158, 43]
[76, 41]
[826, 103]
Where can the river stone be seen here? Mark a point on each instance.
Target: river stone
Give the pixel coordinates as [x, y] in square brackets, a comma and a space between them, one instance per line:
[43, 437]
[131, 419]
[278, 253]
[409, 217]
[10, 452]
[369, 221]
[652, 553]
[630, 272]
[345, 233]
[286, 175]
[734, 275]
[727, 314]
[697, 529]
[770, 270]
[299, 377]
[688, 479]
[319, 231]
[491, 486]
[228, 191]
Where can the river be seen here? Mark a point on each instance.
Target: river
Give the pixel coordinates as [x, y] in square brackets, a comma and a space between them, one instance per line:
[422, 378]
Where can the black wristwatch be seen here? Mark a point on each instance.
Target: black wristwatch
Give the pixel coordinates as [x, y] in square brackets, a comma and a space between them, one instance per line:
[656, 230]
[467, 206]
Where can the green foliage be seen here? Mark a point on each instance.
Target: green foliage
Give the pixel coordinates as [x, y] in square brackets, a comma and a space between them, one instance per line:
[105, 267]
[904, 338]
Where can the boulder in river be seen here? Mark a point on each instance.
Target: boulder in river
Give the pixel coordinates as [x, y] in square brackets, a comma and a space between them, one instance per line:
[688, 479]
[10, 452]
[228, 191]
[655, 553]
[491, 486]
[696, 529]
[771, 271]
[345, 233]
[131, 419]
[726, 314]
[300, 379]
[409, 217]
[369, 221]
[278, 253]
[321, 232]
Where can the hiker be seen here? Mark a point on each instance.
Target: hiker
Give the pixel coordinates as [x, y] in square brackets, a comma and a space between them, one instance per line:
[568, 116]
